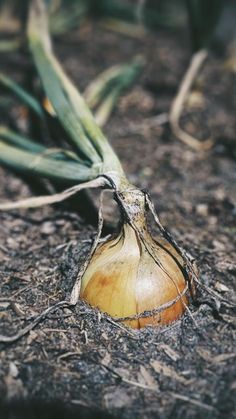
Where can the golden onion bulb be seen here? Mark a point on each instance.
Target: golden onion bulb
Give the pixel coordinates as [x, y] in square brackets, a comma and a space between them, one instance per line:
[123, 279]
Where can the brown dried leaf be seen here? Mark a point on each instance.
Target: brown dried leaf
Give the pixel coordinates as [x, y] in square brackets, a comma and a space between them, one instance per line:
[208, 357]
[169, 351]
[106, 360]
[221, 287]
[168, 372]
[146, 378]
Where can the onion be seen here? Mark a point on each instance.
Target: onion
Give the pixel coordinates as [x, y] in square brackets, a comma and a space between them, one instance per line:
[127, 277]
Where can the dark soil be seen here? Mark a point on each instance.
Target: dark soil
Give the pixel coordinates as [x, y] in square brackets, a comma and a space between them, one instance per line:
[94, 367]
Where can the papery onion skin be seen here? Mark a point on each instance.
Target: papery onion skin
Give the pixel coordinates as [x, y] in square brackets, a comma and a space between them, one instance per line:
[123, 279]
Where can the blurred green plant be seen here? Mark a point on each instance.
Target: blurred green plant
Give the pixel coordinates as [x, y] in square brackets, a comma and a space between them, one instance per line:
[21, 93]
[203, 17]
[67, 15]
[105, 90]
[150, 14]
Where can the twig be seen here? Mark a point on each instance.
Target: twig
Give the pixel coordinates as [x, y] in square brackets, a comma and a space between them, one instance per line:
[68, 354]
[178, 103]
[193, 401]
[49, 330]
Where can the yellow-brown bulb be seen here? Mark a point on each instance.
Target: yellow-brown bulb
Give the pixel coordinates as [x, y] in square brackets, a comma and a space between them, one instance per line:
[123, 279]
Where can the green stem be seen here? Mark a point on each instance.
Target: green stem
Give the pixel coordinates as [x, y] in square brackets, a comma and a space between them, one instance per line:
[119, 9]
[37, 164]
[27, 144]
[21, 93]
[69, 105]
[20, 141]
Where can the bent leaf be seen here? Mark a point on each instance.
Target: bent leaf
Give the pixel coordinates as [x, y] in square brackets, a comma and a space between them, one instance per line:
[39, 201]
[38, 164]
[22, 94]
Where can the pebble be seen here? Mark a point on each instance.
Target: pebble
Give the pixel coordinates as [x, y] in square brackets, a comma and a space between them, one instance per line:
[48, 228]
[221, 287]
[202, 209]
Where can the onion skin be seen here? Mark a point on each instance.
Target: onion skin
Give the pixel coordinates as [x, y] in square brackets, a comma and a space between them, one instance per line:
[123, 279]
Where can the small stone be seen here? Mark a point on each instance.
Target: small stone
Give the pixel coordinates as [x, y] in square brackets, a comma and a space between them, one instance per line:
[196, 100]
[221, 287]
[147, 172]
[32, 336]
[4, 305]
[13, 370]
[218, 245]
[220, 194]
[212, 220]
[12, 243]
[233, 385]
[202, 209]
[48, 228]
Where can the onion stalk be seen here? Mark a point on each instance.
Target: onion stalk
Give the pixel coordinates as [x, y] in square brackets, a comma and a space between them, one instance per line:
[134, 278]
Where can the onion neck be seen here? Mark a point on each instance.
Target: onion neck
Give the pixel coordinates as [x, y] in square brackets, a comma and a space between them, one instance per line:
[131, 200]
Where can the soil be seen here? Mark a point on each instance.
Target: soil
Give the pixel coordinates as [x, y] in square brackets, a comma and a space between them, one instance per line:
[78, 363]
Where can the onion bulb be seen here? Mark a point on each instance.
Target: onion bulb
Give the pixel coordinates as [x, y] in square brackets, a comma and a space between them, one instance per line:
[129, 275]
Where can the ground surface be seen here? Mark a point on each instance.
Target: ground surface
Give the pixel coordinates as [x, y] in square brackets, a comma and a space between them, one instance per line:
[79, 356]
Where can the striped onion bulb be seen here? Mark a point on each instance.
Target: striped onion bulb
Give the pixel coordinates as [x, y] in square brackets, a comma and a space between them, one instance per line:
[128, 275]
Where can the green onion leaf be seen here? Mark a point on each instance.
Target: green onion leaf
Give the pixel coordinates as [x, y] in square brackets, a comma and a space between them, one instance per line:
[21, 93]
[38, 164]
[69, 105]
